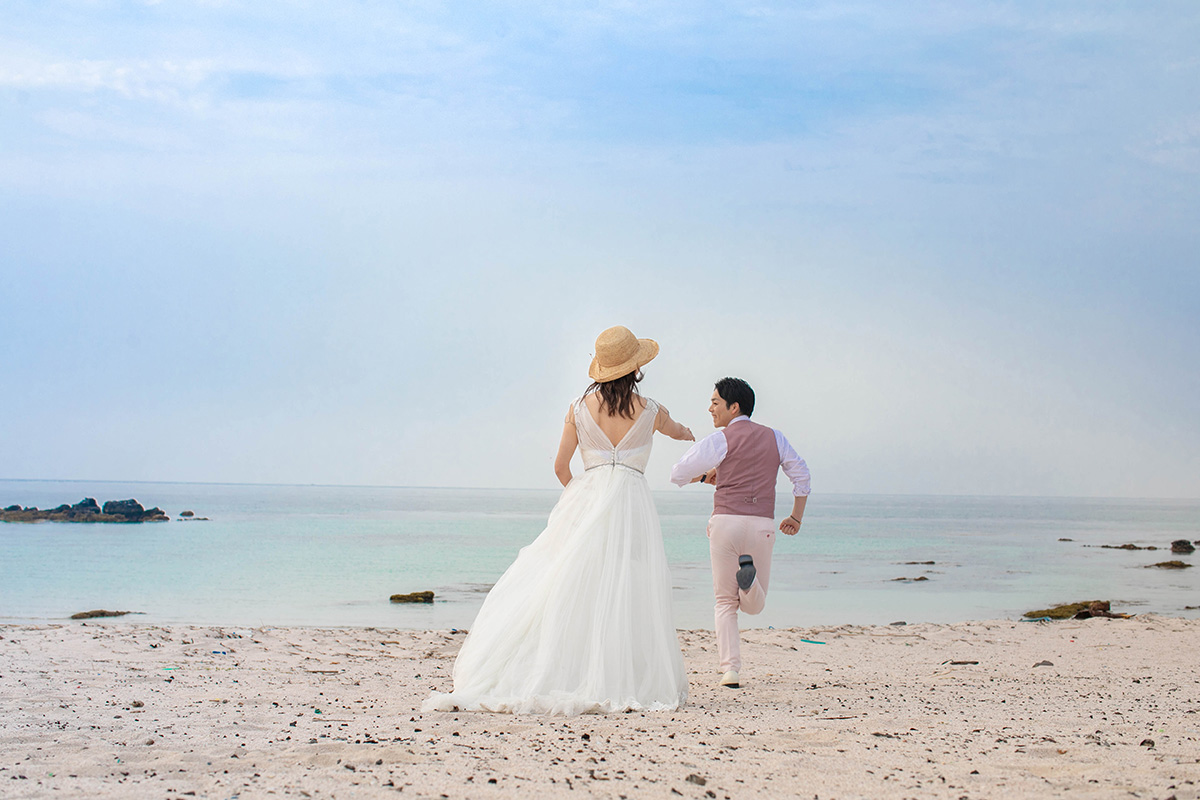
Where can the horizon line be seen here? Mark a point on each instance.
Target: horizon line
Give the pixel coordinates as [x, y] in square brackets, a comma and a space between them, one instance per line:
[519, 489]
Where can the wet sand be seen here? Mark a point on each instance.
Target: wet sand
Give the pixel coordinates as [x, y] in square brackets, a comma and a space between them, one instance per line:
[117, 710]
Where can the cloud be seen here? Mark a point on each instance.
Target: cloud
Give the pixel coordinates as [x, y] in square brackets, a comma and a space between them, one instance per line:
[161, 81]
[1177, 147]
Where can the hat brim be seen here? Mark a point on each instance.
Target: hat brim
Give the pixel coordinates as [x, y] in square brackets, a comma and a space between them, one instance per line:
[647, 350]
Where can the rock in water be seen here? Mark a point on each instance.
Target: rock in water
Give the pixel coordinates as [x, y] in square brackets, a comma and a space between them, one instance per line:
[413, 597]
[1065, 611]
[98, 613]
[1100, 608]
[1182, 546]
[123, 508]
[188, 514]
[86, 510]
[133, 511]
[1169, 565]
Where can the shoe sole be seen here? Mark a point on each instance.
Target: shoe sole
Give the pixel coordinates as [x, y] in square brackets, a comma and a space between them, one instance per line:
[744, 583]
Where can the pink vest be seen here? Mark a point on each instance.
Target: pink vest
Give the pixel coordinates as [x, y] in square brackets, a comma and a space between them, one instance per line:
[746, 477]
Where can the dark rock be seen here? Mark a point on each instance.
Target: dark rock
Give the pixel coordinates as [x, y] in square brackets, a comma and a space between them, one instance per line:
[1126, 547]
[133, 511]
[1169, 565]
[696, 779]
[188, 514]
[1044, 664]
[1065, 611]
[99, 613]
[1066, 540]
[1100, 608]
[123, 508]
[414, 597]
[86, 510]
[1182, 546]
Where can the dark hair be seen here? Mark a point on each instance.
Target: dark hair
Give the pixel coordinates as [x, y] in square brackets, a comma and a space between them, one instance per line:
[617, 394]
[736, 390]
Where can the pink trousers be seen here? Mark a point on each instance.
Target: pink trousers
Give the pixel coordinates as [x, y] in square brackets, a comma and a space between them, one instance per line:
[730, 536]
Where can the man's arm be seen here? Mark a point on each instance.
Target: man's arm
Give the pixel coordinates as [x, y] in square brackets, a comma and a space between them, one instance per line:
[797, 471]
[791, 525]
[703, 456]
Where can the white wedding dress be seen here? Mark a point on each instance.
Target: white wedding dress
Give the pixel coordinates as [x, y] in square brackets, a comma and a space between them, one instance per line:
[581, 622]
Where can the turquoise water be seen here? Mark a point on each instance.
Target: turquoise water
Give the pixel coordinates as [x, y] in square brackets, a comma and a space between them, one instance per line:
[323, 556]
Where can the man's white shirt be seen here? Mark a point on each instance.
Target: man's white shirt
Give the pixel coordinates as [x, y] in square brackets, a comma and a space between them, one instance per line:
[709, 452]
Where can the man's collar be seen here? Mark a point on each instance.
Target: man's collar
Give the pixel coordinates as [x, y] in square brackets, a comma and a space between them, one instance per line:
[738, 418]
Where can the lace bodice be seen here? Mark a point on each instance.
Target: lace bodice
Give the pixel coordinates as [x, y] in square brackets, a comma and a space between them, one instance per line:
[632, 451]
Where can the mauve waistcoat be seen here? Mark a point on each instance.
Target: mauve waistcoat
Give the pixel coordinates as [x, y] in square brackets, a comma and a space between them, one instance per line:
[746, 477]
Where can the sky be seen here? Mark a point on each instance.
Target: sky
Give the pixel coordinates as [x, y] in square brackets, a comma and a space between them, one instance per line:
[953, 246]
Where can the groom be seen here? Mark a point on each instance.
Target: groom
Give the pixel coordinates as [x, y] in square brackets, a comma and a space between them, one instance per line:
[742, 460]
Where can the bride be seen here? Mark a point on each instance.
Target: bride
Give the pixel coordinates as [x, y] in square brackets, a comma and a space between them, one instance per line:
[581, 622]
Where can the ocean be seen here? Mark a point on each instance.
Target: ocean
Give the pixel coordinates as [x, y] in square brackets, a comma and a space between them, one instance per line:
[332, 555]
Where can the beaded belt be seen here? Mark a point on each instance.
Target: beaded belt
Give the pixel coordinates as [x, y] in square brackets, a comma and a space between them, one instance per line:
[615, 464]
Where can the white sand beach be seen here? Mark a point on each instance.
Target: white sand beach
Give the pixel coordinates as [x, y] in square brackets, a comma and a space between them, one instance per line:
[1098, 708]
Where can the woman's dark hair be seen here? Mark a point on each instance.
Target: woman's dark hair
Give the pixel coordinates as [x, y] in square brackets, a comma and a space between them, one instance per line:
[736, 390]
[617, 395]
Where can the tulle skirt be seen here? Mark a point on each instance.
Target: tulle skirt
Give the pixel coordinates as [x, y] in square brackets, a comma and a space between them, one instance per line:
[581, 622]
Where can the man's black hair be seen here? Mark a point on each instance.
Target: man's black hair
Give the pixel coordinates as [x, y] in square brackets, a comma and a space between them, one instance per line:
[736, 390]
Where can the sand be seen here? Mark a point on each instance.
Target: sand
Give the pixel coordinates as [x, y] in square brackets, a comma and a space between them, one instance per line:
[926, 711]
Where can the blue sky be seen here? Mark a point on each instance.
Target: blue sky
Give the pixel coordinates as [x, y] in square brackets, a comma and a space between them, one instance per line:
[952, 245]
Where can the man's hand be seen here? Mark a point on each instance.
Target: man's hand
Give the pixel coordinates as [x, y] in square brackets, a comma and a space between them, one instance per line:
[789, 526]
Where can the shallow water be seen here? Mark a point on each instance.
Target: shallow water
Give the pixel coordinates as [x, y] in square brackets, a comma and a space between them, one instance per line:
[324, 556]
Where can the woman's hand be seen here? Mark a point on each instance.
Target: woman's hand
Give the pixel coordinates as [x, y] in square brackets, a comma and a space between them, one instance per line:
[685, 434]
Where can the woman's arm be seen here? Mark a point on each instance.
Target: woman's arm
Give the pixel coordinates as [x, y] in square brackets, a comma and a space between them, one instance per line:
[566, 449]
[664, 424]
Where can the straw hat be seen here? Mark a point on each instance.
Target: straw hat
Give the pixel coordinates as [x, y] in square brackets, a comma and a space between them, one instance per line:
[619, 352]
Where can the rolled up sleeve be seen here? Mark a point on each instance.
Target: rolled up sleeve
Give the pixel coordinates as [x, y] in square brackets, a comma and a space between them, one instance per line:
[793, 466]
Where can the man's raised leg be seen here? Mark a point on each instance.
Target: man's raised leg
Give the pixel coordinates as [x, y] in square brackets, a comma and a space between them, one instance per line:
[757, 540]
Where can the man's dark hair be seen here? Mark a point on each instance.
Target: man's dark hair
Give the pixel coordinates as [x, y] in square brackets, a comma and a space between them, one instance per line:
[736, 390]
